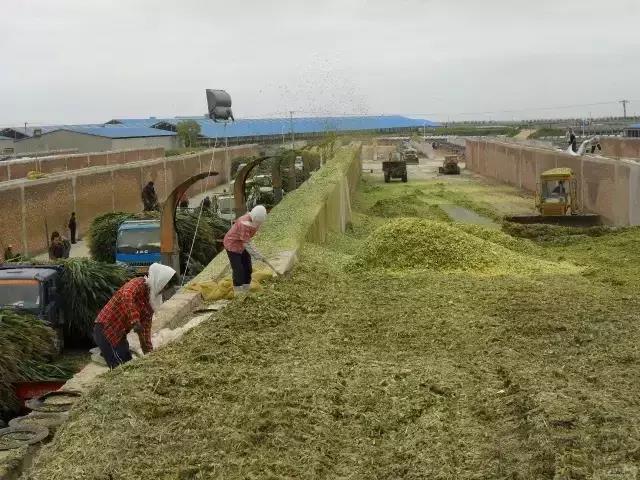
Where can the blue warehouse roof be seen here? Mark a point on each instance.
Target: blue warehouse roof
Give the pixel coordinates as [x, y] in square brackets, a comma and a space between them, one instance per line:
[301, 125]
[637, 125]
[161, 127]
[133, 122]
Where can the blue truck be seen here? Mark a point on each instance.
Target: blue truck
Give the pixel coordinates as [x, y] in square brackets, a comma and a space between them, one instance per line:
[138, 244]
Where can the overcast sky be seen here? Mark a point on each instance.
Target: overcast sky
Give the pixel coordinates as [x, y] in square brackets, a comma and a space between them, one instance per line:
[75, 61]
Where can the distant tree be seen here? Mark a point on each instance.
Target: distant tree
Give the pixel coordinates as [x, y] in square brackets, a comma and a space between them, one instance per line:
[188, 131]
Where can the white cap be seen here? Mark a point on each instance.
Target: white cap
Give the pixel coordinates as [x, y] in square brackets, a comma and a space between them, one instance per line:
[258, 214]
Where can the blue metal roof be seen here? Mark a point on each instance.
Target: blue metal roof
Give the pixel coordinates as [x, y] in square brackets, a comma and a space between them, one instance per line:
[637, 125]
[144, 127]
[279, 126]
[133, 122]
[118, 131]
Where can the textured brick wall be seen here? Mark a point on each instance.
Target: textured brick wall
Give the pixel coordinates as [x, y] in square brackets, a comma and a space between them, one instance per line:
[607, 186]
[16, 169]
[618, 147]
[11, 219]
[94, 196]
[4, 172]
[20, 168]
[48, 202]
[48, 206]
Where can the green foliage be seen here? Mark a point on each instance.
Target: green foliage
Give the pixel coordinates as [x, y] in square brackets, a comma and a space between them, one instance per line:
[87, 286]
[188, 131]
[208, 244]
[103, 235]
[470, 131]
[548, 132]
[25, 345]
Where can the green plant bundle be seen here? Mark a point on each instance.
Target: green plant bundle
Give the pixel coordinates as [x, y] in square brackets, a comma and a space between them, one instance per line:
[86, 287]
[103, 235]
[26, 344]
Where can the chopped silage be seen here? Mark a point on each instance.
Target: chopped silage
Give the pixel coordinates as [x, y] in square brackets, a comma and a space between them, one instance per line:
[409, 243]
[338, 374]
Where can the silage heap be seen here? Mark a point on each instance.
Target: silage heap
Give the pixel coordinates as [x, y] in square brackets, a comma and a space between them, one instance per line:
[410, 244]
[441, 373]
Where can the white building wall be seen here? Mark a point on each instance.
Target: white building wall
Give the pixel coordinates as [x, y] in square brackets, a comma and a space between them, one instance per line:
[6, 145]
[63, 139]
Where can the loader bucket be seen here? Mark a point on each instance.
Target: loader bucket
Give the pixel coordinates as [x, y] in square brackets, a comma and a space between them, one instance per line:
[582, 220]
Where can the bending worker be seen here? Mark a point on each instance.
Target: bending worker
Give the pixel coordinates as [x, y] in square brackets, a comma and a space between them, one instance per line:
[237, 243]
[130, 308]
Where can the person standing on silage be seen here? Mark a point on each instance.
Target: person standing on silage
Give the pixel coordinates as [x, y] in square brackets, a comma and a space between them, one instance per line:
[237, 243]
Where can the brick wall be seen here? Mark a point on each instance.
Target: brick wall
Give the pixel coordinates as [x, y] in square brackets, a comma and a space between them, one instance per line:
[620, 147]
[15, 169]
[606, 186]
[32, 209]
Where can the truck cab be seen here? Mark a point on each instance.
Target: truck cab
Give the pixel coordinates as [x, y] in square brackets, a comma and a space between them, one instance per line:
[34, 289]
[138, 244]
[226, 205]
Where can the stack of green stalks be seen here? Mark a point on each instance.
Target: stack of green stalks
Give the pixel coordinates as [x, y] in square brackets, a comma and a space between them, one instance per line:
[26, 351]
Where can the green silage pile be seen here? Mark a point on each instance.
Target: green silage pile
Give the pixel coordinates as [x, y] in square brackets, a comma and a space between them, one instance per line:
[411, 243]
[499, 237]
[436, 373]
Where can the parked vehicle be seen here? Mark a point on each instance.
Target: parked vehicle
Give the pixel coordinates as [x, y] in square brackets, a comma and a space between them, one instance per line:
[395, 167]
[138, 244]
[34, 289]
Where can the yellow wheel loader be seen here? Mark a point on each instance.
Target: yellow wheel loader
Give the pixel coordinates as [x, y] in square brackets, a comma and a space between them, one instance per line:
[557, 201]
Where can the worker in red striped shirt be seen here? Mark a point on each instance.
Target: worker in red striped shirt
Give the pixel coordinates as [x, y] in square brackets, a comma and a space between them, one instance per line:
[237, 243]
[131, 308]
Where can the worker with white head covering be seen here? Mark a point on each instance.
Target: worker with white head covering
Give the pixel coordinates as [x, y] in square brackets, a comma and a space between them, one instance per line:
[131, 308]
[237, 243]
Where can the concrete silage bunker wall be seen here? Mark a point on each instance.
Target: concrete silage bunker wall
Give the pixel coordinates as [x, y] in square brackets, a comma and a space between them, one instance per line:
[621, 147]
[607, 186]
[35, 208]
[320, 205]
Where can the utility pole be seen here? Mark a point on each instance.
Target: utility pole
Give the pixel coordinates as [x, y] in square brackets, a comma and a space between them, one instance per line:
[291, 126]
[624, 107]
[25, 127]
